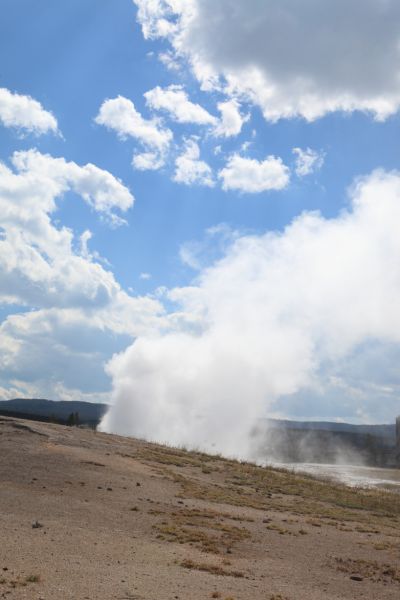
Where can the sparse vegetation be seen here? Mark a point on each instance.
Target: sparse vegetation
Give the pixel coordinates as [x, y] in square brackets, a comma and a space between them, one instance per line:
[281, 530]
[226, 518]
[210, 568]
[368, 569]
[33, 579]
[301, 495]
[203, 529]
[19, 581]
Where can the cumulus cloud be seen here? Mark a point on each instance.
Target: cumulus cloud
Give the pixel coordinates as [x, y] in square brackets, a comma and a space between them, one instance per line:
[294, 59]
[231, 121]
[101, 190]
[25, 113]
[258, 326]
[253, 176]
[57, 345]
[38, 262]
[72, 313]
[190, 170]
[120, 115]
[174, 100]
[307, 161]
[148, 161]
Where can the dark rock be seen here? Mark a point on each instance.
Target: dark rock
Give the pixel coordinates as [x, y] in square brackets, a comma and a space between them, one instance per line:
[36, 525]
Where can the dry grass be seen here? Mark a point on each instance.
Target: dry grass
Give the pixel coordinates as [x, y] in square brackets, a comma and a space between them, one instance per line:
[210, 568]
[220, 494]
[280, 530]
[211, 514]
[300, 495]
[368, 569]
[266, 488]
[19, 582]
[386, 545]
[201, 529]
[267, 481]
[178, 457]
[33, 579]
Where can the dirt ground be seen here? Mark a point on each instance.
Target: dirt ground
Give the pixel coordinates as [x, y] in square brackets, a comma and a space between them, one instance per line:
[87, 515]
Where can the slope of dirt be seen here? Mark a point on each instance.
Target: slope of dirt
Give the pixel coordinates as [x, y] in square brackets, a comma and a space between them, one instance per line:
[86, 515]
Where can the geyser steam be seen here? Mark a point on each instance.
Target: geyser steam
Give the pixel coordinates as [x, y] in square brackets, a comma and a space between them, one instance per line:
[260, 322]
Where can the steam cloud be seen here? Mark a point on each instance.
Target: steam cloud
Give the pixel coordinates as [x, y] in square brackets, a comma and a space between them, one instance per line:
[259, 323]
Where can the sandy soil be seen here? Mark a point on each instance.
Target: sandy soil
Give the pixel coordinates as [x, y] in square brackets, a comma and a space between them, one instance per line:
[86, 515]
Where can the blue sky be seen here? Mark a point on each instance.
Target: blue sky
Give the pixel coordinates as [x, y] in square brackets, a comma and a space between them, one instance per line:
[307, 123]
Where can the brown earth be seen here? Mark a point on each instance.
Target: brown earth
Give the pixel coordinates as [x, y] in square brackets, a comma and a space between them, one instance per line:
[87, 515]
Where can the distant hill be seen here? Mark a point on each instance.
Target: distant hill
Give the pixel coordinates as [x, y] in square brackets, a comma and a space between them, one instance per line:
[385, 431]
[326, 442]
[45, 410]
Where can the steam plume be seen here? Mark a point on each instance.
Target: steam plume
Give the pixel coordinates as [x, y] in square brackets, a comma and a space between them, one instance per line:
[259, 323]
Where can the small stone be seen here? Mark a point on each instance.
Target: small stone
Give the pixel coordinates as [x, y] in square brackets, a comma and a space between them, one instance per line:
[356, 577]
[36, 525]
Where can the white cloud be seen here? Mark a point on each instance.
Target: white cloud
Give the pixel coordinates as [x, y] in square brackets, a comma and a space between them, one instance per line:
[120, 115]
[231, 120]
[190, 169]
[307, 161]
[51, 351]
[76, 313]
[169, 60]
[245, 146]
[154, 15]
[101, 190]
[261, 324]
[148, 161]
[84, 238]
[145, 276]
[25, 113]
[38, 264]
[292, 59]
[174, 100]
[253, 176]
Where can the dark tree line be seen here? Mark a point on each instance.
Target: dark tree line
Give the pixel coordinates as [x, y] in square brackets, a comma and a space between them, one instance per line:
[73, 419]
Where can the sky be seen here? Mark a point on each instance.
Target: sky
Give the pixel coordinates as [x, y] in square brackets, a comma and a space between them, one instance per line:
[199, 211]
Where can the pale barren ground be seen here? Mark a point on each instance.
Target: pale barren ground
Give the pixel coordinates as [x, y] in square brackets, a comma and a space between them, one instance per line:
[124, 519]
